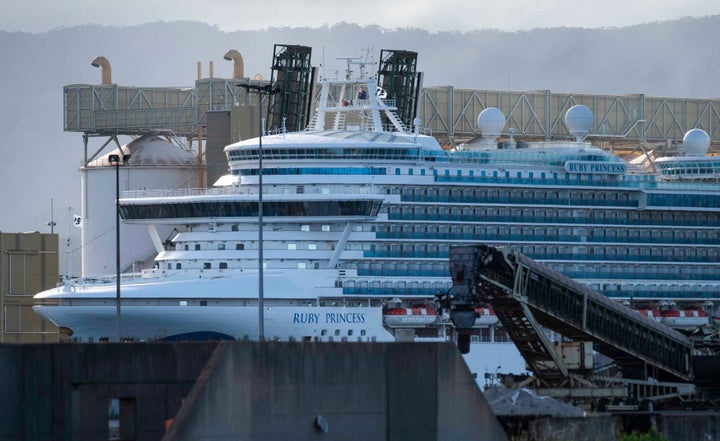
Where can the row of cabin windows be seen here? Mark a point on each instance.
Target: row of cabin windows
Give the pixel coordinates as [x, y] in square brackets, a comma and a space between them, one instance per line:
[224, 265]
[507, 174]
[559, 214]
[482, 194]
[428, 231]
[324, 332]
[221, 246]
[240, 246]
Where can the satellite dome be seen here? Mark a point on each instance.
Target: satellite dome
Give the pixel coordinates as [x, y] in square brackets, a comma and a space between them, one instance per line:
[579, 119]
[491, 122]
[696, 142]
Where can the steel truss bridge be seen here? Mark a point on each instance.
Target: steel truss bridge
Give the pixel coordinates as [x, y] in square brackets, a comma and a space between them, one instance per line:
[620, 121]
[451, 115]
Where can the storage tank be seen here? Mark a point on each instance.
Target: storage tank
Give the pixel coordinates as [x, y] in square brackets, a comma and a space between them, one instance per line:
[155, 163]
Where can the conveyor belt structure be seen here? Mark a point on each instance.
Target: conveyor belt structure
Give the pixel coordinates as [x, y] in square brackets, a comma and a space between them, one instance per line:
[528, 296]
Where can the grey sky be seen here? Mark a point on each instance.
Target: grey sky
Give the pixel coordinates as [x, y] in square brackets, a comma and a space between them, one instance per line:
[433, 15]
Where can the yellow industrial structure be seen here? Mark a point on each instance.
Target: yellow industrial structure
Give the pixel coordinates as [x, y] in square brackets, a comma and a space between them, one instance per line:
[28, 265]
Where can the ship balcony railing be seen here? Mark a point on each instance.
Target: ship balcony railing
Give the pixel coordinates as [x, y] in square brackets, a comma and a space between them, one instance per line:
[402, 273]
[356, 104]
[641, 276]
[445, 217]
[642, 184]
[408, 291]
[247, 190]
[710, 276]
[514, 201]
[545, 238]
[400, 254]
[658, 294]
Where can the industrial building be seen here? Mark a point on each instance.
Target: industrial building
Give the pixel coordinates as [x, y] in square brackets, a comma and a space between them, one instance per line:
[28, 265]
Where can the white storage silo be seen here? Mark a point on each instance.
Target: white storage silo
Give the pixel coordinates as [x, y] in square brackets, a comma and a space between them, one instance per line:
[155, 163]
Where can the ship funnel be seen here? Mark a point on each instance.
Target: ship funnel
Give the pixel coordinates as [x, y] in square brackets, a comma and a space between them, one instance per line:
[103, 63]
[239, 65]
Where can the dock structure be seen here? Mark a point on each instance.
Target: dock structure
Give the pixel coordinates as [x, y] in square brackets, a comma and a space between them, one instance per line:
[529, 297]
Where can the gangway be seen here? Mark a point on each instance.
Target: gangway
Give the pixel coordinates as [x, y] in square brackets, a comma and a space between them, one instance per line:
[529, 298]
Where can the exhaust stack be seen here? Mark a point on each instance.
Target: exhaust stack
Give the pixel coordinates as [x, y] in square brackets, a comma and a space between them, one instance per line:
[239, 65]
[103, 63]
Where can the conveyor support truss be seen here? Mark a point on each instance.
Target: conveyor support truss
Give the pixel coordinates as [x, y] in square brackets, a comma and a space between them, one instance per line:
[525, 294]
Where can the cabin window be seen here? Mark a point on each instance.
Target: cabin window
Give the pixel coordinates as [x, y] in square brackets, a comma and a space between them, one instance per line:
[326, 227]
[305, 228]
[207, 265]
[312, 246]
[292, 246]
[187, 247]
[223, 265]
[169, 266]
[221, 246]
[302, 265]
[197, 247]
[178, 265]
[239, 246]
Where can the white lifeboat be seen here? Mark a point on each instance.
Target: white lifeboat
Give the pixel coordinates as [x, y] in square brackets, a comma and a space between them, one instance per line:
[653, 314]
[415, 317]
[685, 318]
[485, 317]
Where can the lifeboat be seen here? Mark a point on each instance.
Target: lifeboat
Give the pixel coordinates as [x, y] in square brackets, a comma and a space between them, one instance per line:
[653, 314]
[685, 318]
[415, 317]
[485, 317]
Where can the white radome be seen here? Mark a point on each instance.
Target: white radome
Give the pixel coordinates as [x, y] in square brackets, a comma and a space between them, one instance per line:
[696, 142]
[579, 120]
[491, 121]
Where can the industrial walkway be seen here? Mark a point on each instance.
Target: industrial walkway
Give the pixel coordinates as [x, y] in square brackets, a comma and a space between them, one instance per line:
[528, 296]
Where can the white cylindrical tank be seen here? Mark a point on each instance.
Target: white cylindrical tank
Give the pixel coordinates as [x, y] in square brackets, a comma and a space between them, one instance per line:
[154, 163]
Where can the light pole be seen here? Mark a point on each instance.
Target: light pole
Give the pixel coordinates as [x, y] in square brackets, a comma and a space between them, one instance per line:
[260, 90]
[116, 161]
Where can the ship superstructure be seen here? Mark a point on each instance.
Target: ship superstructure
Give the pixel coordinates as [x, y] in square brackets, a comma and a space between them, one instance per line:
[359, 213]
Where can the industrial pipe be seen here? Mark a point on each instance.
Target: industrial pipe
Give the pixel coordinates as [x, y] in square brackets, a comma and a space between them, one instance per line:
[239, 66]
[106, 71]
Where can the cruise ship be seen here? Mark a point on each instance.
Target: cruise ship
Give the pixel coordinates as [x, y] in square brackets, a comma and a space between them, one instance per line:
[353, 217]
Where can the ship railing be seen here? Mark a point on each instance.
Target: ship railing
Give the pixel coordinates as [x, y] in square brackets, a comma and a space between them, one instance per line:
[241, 191]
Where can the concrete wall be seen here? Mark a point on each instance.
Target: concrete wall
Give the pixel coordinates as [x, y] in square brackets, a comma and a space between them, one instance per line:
[58, 392]
[354, 391]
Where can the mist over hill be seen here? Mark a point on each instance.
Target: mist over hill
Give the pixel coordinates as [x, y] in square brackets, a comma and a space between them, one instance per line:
[40, 161]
